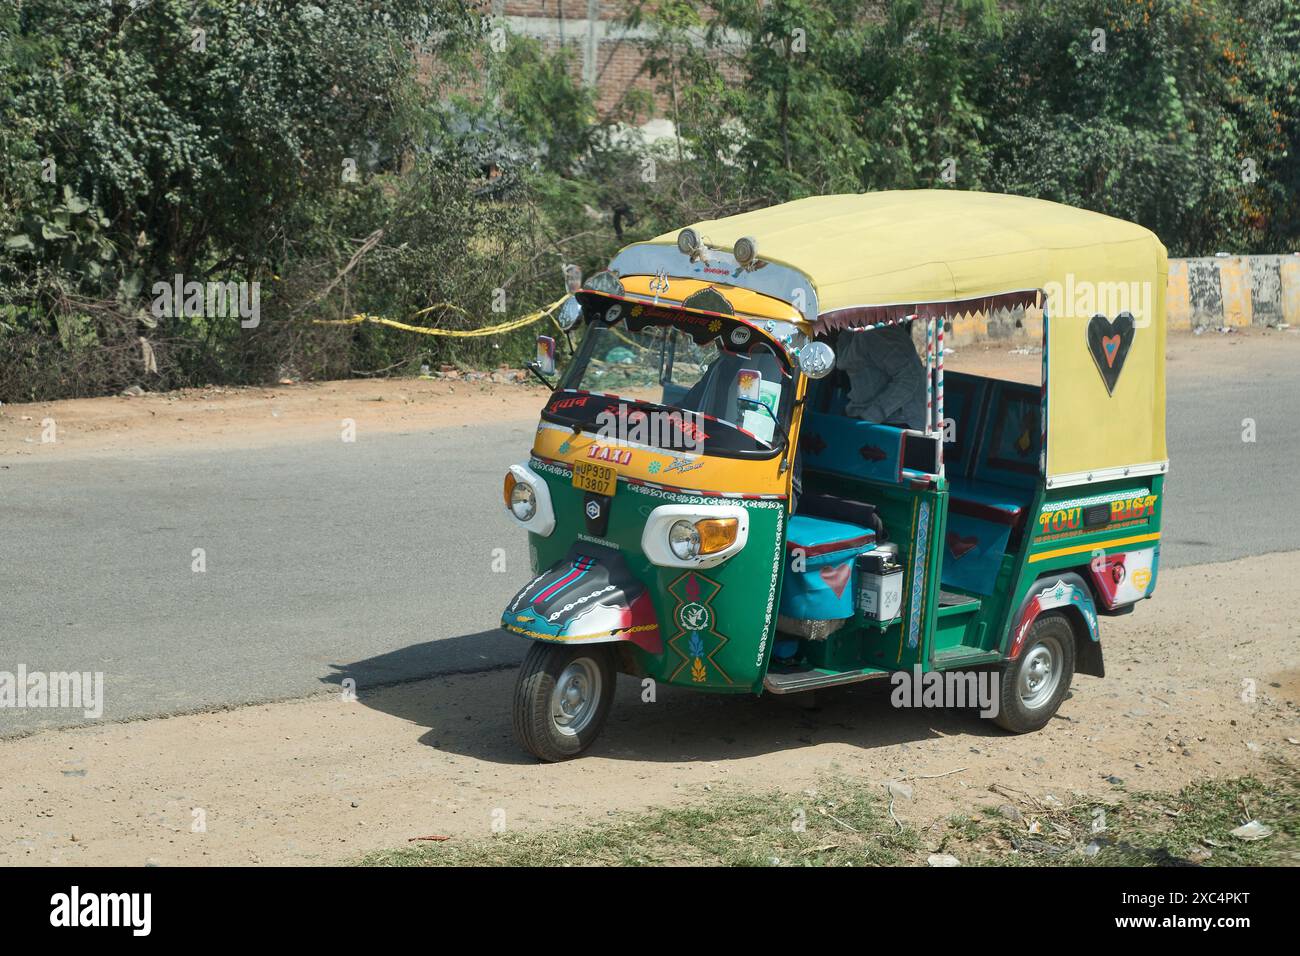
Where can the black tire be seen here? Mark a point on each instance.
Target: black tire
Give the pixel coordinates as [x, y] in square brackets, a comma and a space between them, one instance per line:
[536, 726]
[1050, 637]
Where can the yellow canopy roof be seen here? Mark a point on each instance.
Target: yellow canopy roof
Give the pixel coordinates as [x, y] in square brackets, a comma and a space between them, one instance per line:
[906, 249]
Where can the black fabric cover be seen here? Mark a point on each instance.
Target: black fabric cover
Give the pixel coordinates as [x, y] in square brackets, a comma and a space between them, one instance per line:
[843, 509]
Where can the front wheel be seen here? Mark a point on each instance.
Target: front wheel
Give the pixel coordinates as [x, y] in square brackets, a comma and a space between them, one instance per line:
[1035, 683]
[562, 698]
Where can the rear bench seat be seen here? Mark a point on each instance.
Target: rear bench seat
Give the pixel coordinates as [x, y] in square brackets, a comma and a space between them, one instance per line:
[991, 479]
[981, 499]
[987, 476]
[991, 465]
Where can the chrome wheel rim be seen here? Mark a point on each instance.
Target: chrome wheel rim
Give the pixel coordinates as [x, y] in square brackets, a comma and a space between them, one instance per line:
[1040, 673]
[576, 694]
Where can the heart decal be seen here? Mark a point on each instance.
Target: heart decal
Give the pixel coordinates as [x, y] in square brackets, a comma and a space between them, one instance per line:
[958, 545]
[837, 576]
[1109, 342]
[1110, 348]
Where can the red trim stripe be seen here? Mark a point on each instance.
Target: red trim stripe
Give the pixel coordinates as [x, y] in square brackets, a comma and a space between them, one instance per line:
[578, 570]
[985, 512]
[641, 482]
[844, 544]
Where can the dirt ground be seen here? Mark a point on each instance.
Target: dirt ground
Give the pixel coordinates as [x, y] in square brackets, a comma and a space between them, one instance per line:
[315, 410]
[1202, 682]
[256, 417]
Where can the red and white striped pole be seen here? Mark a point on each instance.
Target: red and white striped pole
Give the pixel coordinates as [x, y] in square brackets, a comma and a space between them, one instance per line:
[938, 397]
[929, 375]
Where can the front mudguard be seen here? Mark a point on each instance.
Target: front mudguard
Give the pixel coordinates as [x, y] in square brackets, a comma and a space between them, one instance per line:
[588, 597]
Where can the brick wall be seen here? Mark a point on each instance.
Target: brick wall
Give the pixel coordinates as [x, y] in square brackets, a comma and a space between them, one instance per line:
[605, 54]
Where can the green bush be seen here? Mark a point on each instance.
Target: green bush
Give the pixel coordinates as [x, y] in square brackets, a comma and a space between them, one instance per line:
[394, 155]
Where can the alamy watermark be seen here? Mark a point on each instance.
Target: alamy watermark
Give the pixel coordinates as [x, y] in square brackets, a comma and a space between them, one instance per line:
[72, 690]
[980, 689]
[676, 430]
[127, 910]
[211, 300]
[1083, 298]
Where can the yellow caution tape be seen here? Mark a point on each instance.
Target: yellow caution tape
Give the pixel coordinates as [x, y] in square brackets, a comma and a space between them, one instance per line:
[510, 326]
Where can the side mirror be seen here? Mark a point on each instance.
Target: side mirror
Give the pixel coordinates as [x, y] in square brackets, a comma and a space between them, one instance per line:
[545, 355]
[569, 314]
[816, 359]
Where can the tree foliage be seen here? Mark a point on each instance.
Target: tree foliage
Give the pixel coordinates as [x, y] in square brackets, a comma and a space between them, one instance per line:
[391, 155]
[1178, 114]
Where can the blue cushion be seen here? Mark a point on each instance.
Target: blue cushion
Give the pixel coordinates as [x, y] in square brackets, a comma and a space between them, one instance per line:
[1011, 438]
[851, 446]
[1002, 498]
[824, 538]
[973, 552]
[819, 570]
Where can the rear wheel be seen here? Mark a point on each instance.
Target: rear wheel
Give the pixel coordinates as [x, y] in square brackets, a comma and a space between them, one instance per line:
[1035, 683]
[562, 698]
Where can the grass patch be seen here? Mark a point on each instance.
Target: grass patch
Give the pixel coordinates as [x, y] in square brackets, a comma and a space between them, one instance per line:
[847, 823]
[840, 825]
[1142, 828]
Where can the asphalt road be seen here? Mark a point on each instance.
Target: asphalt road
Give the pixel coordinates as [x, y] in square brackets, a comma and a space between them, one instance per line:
[374, 560]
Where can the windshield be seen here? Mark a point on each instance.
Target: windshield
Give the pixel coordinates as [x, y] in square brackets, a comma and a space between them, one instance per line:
[658, 387]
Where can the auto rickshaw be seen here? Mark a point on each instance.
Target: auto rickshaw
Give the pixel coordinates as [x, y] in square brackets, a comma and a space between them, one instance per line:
[708, 505]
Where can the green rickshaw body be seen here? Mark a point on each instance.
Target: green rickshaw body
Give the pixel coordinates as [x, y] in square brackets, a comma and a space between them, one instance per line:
[726, 646]
[1007, 525]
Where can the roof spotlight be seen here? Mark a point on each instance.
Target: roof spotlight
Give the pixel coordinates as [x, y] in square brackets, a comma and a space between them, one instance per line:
[746, 251]
[572, 278]
[689, 244]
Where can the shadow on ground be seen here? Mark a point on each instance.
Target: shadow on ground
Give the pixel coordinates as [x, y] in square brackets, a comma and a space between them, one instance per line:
[466, 710]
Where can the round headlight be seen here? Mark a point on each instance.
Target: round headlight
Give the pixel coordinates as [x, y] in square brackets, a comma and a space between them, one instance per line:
[523, 501]
[684, 540]
[688, 242]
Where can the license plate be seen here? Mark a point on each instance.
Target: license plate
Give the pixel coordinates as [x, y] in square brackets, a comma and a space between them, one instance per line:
[598, 479]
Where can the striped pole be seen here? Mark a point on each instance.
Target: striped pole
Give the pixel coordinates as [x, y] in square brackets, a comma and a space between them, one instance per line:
[929, 375]
[938, 394]
[1042, 412]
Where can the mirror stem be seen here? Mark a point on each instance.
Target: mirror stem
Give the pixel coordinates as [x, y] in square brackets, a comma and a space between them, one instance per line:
[532, 367]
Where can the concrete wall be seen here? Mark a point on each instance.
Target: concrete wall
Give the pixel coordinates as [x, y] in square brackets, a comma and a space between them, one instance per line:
[1013, 326]
[1233, 291]
[1210, 292]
